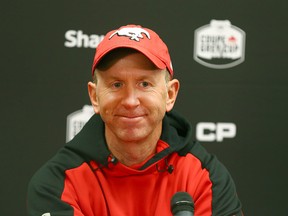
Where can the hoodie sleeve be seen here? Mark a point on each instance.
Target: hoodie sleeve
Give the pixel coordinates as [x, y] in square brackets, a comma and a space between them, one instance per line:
[44, 194]
[225, 201]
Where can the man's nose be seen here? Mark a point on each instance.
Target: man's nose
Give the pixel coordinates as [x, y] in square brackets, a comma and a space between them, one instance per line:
[130, 97]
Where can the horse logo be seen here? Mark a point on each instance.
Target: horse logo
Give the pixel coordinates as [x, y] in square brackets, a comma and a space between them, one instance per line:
[134, 33]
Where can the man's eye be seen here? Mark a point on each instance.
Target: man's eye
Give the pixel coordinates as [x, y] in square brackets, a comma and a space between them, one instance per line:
[117, 84]
[144, 84]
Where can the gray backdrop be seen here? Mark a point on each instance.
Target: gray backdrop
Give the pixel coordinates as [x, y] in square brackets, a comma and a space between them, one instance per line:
[43, 81]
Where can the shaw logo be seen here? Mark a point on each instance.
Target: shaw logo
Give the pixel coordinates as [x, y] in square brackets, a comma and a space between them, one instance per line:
[76, 121]
[209, 131]
[79, 39]
[219, 45]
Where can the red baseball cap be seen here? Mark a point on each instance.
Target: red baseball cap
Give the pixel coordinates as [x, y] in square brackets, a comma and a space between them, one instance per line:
[136, 37]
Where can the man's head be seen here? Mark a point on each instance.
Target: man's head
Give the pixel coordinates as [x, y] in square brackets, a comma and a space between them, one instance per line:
[136, 37]
[131, 92]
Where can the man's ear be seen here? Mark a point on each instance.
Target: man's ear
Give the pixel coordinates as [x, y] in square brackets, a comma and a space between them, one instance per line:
[92, 90]
[173, 89]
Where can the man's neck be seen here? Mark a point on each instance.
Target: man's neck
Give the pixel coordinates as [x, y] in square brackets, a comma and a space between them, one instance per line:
[134, 152]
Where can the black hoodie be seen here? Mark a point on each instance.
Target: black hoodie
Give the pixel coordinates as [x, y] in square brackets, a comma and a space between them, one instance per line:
[84, 178]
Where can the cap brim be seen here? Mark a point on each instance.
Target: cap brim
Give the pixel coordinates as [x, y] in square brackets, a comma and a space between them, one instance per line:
[154, 59]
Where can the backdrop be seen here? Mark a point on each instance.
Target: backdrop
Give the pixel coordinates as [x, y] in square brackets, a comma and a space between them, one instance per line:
[230, 57]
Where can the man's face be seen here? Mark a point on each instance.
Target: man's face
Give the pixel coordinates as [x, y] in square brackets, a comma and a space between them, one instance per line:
[132, 96]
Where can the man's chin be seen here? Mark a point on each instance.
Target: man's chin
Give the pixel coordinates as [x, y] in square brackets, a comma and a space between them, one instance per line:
[132, 135]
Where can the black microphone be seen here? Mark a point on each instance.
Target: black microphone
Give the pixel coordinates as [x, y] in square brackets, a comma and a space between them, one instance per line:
[169, 168]
[182, 204]
[113, 160]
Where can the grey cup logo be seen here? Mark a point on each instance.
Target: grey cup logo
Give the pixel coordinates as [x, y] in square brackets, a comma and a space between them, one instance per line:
[219, 45]
[76, 121]
[135, 33]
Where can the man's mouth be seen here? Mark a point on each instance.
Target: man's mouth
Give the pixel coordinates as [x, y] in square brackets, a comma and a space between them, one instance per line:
[131, 117]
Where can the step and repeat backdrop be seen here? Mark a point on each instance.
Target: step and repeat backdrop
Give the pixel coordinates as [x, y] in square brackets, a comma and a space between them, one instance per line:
[231, 59]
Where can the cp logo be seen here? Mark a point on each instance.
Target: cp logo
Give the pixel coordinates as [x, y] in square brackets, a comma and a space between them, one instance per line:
[209, 131]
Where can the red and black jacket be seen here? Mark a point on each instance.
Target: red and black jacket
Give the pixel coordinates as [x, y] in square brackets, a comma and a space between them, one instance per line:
[85, 179]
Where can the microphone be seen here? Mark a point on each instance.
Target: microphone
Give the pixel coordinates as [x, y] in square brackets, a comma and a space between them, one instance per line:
[113, 160]
[169, 168]
[182, 204]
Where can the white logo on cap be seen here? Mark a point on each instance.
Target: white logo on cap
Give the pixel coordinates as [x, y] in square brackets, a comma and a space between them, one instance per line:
[135, 33]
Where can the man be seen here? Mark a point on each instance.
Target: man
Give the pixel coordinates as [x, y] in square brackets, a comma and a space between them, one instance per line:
[134, 154]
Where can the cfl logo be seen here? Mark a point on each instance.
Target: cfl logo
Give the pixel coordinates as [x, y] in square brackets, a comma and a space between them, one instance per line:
[209, 131]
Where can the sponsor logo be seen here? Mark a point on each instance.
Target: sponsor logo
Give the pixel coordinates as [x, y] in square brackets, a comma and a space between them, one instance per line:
[219, 45]
[135, 33]
[76, 121]
[80, 40]
[46, 214]
[210, 132]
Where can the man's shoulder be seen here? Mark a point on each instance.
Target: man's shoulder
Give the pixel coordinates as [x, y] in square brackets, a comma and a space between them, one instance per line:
[54, 169]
